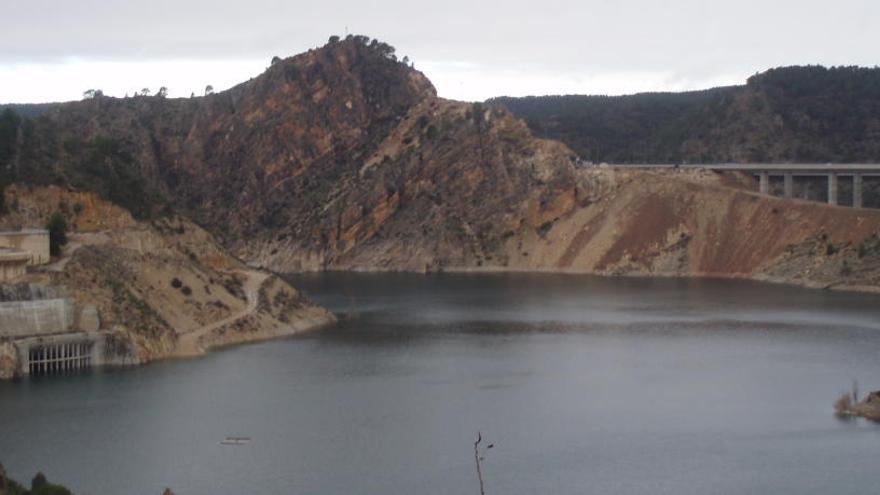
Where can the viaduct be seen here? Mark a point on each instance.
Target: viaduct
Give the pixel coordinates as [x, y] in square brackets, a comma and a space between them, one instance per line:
[788, 171]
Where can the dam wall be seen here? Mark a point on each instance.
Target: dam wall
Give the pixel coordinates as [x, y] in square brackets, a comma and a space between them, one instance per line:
[20, 319]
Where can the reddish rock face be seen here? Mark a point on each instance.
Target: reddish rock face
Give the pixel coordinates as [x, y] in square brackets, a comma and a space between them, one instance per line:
[327, 156]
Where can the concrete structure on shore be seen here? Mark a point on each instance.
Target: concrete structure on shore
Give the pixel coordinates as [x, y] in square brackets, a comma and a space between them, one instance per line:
[63, 353]
[13, 264]
[44, 332]
[20, 319]
[34, 242]
[789, 171]
[54, 336]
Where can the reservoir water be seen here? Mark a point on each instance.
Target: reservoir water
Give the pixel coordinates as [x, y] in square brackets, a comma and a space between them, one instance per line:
[584, 385]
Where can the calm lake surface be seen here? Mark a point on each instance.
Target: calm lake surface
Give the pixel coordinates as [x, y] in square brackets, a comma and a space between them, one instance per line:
[585, 385]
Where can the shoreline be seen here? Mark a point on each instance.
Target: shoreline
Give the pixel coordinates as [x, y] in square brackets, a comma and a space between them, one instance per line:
[258, 338]
[203, 340]
[837, 287]
[322, 317]
[254, 338]
[253, 324]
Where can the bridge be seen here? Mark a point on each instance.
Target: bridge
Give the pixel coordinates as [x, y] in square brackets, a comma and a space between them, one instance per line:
[788, 171]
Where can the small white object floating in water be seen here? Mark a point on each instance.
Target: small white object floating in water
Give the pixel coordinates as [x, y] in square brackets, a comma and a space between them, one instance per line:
[235, 441]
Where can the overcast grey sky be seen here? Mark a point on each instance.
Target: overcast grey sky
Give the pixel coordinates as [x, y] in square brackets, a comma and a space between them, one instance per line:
[55, 49]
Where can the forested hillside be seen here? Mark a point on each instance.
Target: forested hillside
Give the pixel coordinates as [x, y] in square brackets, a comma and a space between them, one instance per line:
[28, 109]
[793, 114]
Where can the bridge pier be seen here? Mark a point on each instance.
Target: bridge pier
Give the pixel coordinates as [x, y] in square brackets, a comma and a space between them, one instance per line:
[788, 185]
[832, 188]
[764, 187]
[857, 190]
[789, 171]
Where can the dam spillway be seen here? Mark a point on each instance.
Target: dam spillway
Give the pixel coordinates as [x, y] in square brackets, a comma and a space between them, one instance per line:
[49, 359]
[65, 353]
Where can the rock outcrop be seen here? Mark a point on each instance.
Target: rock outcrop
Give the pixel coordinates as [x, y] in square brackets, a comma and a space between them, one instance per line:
[868, 408]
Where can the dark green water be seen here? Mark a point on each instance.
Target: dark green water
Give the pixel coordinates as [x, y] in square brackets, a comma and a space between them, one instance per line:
[585, 385]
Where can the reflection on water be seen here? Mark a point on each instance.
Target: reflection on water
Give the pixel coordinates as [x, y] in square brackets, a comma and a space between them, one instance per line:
[585, 385]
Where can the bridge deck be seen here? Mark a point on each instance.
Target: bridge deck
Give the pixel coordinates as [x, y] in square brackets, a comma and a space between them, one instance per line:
[858, 172]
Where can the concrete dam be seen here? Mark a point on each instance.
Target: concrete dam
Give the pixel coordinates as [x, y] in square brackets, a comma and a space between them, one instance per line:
[42, 332]
[50, 335]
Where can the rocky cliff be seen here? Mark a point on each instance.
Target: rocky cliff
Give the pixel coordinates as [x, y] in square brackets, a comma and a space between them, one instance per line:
[345, 158]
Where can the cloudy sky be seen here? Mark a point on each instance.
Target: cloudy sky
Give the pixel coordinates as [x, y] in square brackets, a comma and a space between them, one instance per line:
[53, 50]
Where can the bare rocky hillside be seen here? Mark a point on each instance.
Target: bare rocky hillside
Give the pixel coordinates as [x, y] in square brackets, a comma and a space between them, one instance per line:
[163, 287]
[345, 158]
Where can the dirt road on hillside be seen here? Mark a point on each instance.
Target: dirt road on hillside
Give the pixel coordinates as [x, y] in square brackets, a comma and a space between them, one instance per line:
[188, 343]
